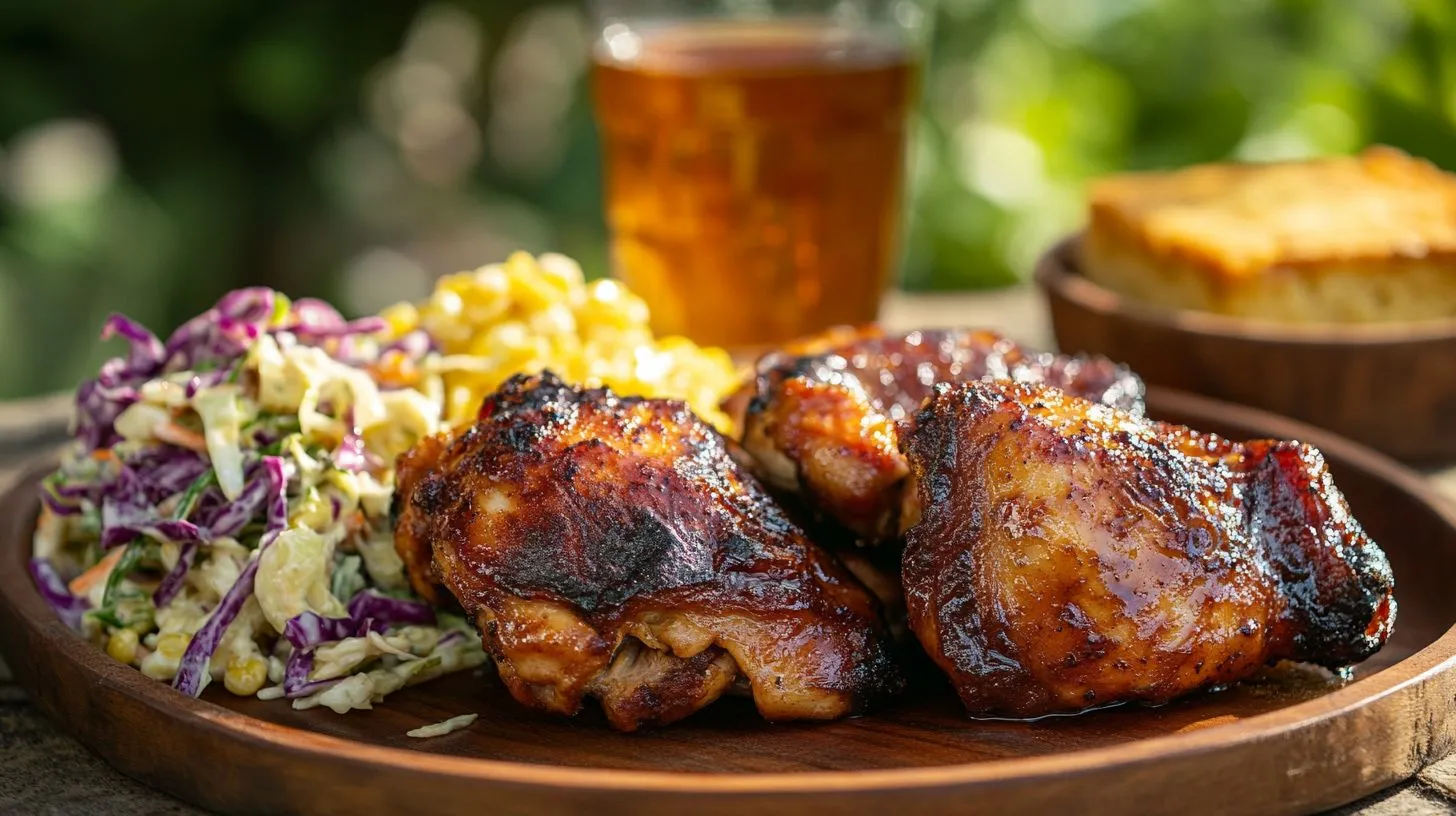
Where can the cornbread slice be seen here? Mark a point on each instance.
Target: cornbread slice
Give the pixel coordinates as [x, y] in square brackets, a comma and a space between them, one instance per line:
[1359, 239]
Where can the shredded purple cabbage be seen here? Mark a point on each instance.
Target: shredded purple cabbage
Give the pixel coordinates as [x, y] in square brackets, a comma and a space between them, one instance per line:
[312, 313]
[223, 518]
[163, 471]
[215, 518]
[192, 670]
[295, 675]
[79, 491]
[314, 318]
[217, 339]
[121, 530]
[309, 629]
[350, 454]
[172, 582]
[69, 608]
[386, 611]
[100, 401]
[225, 331]
[67, 498]
[209, 379]
[369, 611]
[54, 504]
[414, 344]
[295, 671]
[277, 474]
[251, 305]
[97, 407]
[146, 350]
[127, 514]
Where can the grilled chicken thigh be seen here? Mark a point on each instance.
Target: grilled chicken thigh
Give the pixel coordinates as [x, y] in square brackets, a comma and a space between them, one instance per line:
[826, 414]
[1062, 554]
[610, 547]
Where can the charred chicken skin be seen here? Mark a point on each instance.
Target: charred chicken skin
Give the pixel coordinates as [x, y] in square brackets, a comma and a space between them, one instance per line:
[610, 547]
[826, 414]
[1062, 554]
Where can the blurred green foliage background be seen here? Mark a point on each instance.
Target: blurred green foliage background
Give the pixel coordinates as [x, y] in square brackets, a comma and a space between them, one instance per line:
[155, 154]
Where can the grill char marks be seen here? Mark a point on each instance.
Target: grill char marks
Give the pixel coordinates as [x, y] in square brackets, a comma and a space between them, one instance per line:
[823, 417]
[1062, 554]
[611, 547]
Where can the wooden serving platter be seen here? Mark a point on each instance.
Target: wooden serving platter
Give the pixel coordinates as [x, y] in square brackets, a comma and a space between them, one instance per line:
[1290, 743]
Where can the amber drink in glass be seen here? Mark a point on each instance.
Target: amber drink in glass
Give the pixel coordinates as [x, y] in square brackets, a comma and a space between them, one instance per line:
[755, 162]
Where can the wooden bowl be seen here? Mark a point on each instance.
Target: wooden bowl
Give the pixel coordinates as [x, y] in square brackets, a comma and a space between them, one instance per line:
[1392, 387]
[1270, 747]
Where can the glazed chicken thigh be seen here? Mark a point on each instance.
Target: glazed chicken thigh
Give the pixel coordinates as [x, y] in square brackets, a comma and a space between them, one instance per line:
[610, 547]
[825, 415]
[1062, 554]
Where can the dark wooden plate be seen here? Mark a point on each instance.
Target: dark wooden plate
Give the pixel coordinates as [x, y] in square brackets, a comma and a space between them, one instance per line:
[1390, 386]
[1282, 745]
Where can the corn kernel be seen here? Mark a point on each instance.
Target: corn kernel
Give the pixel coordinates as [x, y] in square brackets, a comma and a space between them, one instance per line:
[122, 646]
[605, 291]
[531, 289]
[554, 321]
[173, 644]
[245, 675]
[463, 402]
[504, 340]
[484, 294]
[158, 666]
[528, 313]
[564, 271]
[448, 302]
[459, 283]
[609, 304]
[401, 318]
[492, 278]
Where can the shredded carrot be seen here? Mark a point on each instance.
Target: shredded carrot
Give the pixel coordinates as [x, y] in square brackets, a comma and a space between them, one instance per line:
[82, 584]
[103, 455]
[175, 434]
[395, 370]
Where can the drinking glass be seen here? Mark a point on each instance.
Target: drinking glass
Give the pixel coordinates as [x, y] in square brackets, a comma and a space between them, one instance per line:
[754, 153]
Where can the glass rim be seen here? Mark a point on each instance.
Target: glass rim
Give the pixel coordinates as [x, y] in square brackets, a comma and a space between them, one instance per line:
[913, 17]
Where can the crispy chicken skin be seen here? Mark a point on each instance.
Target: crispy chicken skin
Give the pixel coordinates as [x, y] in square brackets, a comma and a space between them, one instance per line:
[610, 547]
[826, 413]
[1062, 554]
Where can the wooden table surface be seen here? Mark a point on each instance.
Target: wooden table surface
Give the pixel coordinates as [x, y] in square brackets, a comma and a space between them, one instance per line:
[43, 771]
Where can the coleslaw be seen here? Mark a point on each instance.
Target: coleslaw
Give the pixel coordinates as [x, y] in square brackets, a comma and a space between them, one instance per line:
[223, 511]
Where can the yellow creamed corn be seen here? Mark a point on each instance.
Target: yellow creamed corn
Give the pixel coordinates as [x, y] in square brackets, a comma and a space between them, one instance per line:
[529, 314]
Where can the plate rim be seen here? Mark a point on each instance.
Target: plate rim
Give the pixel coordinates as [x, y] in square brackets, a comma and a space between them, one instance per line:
[22, 606]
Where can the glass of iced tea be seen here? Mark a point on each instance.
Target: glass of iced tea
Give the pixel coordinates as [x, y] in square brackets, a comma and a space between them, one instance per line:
[754, 153]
